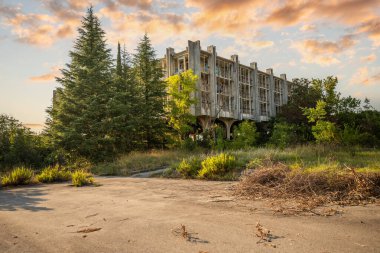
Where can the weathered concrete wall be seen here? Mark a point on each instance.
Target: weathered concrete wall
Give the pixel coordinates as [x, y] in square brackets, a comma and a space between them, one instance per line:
[272, 108]
[212, 79]
[256, 100]
[194, 53]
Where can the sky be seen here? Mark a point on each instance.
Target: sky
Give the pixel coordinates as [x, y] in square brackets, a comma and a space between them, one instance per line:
[302, 38]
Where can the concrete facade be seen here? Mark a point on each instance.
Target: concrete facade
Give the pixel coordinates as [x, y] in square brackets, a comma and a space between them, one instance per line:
[227, 90]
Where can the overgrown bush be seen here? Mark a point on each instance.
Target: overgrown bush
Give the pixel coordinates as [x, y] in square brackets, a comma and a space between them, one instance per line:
[18, 176]
[245, 135]
[217, 167]
[82, 178]
[190, 167]
[283, 135]
[53, 174]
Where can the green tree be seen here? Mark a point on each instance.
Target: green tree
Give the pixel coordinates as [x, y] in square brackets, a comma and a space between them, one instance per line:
[323, 131]
[180, 90]
[20, 146]
[244, 135]
[151, 95]
[80, 116]
[283, 135]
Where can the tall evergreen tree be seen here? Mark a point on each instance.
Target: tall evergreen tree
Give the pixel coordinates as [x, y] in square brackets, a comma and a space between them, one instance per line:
[79, 118]
[151, 94]
[119, 67]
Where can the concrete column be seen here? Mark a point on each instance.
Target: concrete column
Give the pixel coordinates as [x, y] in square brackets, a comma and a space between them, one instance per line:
[256, 100]
[205, 122]
[228, 123]
[194, 52]
[212, 67]
[236, 87]
[284, 85]
[170, 68]
[272, 108]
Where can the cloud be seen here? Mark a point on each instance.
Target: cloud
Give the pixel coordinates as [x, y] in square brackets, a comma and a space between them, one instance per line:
[131, 26]
[50, 76]
[346, 12]
[250, 43]
[368, 58]
[289, 14]
[366, 77]
[44, 29]
[224, 16]
[323, 52]
[307, 28]
[372, 28]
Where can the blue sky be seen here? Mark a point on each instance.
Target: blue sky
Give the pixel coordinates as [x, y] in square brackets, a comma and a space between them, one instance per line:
[302, 38]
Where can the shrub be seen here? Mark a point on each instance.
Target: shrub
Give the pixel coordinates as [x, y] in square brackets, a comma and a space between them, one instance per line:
[217, 167]
[53, 174]
[81, 178]
[18, 176]
[283, 135]
[190, 167]
[245, 135]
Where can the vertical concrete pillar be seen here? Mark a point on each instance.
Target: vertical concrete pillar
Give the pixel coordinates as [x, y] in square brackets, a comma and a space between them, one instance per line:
[235, 88]
[256, 100]
[194, 54]
[284, 87]
[170, 68]
[228, 123]
[272, 108]
[213, 88]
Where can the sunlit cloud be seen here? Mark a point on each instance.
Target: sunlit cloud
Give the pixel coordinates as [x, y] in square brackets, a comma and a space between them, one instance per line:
[348, 12]
[368, 58]
[308, 28]
[225, 17]
[372, 28]
[365, 76]
[47, 77]
[323, 52]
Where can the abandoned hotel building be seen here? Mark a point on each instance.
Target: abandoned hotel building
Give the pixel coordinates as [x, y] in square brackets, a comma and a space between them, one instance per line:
[227, 90]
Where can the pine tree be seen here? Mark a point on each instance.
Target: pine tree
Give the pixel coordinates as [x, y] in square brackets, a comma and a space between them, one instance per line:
[150, 88]
[80, 115]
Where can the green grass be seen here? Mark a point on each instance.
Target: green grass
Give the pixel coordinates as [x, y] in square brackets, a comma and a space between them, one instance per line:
[314, 157]
[140, 162]
[307, 158]
[53, 174]
[18, 176]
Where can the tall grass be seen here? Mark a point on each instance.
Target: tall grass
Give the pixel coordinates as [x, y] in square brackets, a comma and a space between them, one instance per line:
[53, 174]
[82, 178]
[18, 176]
[140, 162]
[307, 157]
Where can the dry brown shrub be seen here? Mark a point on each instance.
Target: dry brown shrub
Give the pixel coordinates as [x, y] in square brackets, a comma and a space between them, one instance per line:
[297, 191]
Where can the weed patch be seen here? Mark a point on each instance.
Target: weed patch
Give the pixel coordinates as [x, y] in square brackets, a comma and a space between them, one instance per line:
[18, 176]
[82, 178]
[217, 167]
[53, 174]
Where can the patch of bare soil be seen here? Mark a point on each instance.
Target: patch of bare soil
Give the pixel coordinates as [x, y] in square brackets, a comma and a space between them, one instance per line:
[295, 192]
